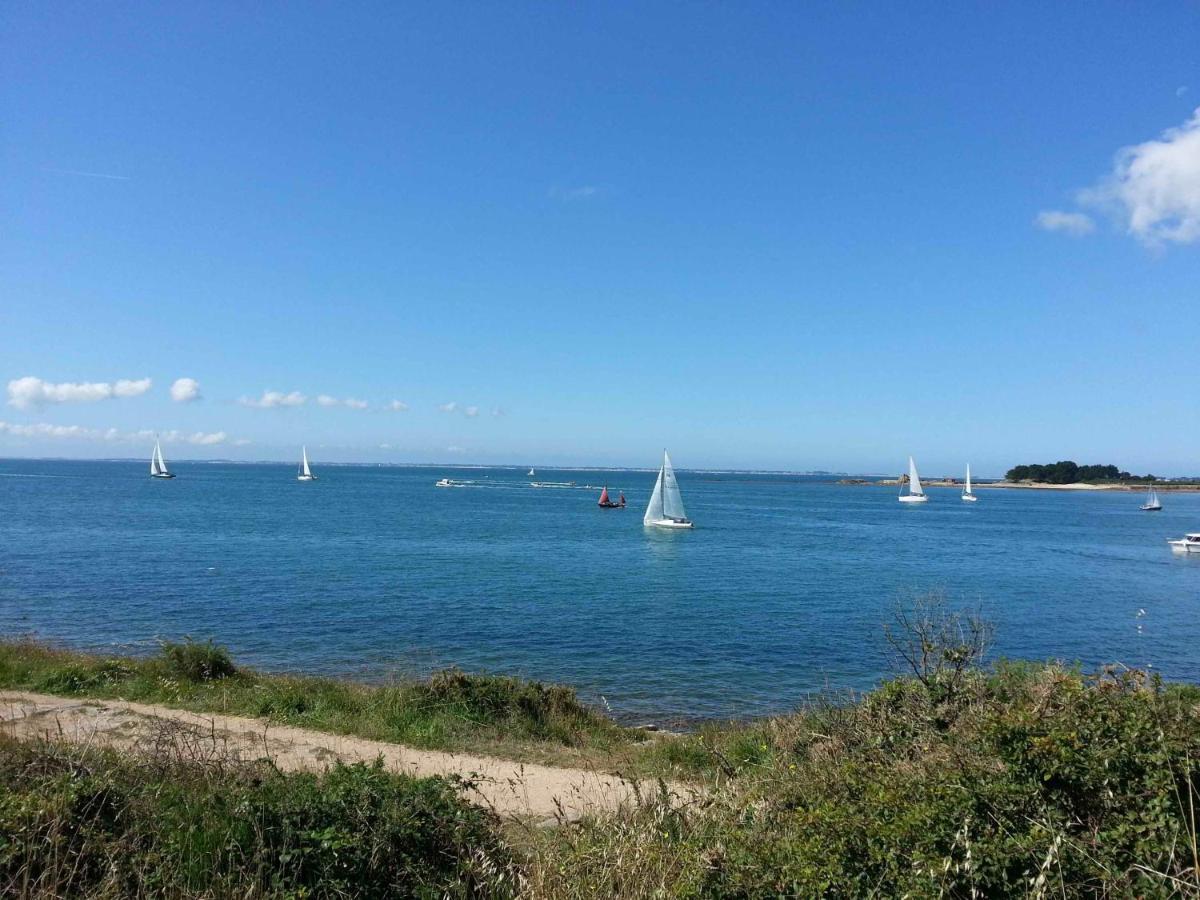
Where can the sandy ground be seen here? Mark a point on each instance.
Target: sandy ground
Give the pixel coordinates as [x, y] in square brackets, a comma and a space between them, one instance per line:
[515, 789]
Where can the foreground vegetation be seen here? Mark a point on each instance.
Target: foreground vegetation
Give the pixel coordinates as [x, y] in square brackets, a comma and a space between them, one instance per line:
[952, 781]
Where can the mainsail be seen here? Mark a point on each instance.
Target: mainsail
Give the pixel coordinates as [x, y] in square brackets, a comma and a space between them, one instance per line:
[304, 469]
[968, 490]
[671, 500]
[914, 481]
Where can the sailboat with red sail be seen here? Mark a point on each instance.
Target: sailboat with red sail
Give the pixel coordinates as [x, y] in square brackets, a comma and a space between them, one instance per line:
[606, 502]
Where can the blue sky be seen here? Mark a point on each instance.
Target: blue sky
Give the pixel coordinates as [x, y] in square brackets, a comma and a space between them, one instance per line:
[765, 235]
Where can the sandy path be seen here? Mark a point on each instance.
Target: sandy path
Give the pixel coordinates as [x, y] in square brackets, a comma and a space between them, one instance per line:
[508, 787]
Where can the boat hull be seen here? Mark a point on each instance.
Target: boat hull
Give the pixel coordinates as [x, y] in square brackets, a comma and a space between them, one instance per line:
[969, 498]
[1185, 546]
[913, 498]
[306, 477]
[1148, 508]
[668, 523]
[162, 475]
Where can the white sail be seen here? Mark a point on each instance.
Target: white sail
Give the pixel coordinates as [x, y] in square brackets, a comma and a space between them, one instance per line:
[968, 490]
[304, 469]
[914, 480]
[654, 511]
[158, 465]
[671, 500]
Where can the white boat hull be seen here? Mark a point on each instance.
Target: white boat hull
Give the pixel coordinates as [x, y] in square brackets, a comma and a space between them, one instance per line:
[162, 475]
[969, 498]
[913, 498]
[306, 477]
[1185, 546]
[668, 523]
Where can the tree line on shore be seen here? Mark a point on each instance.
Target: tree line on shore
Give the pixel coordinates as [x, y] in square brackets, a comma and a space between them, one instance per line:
[1068, 472]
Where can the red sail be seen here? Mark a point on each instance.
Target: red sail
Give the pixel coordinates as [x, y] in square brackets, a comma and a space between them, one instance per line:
[604, 495]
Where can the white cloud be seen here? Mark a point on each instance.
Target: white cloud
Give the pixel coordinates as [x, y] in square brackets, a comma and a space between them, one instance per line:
[326, 400]
[1154, 188]
[275, 400]
[112, 435]
[471, 412]
[30, 392]
[450, 407]
[398, 406]
[1075, 224]
[185, 390]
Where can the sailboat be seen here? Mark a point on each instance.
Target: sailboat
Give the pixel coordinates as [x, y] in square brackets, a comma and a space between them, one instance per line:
[531, 472]
[158, 465]
[966, 494]
[608, 503]
[304, 473]
[1152, 503]
[666, 505]
[916, 493]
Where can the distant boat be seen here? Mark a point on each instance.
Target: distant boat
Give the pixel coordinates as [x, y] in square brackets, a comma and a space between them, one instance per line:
[158, 465]
[966, 494]
[531, 472]
[666, 505]
[446, 482]
[607, 503]
[305, 473]
[1152, 503]
[916, 493]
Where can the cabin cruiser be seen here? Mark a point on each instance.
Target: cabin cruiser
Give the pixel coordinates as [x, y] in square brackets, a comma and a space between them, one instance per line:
[1189, 544]
[446, 482]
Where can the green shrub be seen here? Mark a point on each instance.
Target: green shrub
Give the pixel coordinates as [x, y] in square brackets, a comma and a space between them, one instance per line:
[196, 662]
[80, 824]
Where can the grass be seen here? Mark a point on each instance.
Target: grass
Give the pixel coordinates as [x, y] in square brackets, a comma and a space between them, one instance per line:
[452, 710]
[91, 824]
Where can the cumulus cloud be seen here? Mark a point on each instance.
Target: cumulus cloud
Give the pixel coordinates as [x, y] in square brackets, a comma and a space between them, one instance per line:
[111, 435]
[471, 412]
[1153, 191]
[356, 404]
[398, 406]
[326, 400]
[1075, 224]
[275, 400]
[450, 407]
[185, 390]
[32, 393]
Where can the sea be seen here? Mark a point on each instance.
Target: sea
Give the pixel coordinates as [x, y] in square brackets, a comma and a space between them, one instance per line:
[781, 591]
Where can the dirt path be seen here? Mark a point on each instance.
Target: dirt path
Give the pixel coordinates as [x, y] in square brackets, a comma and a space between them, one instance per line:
[510, 788]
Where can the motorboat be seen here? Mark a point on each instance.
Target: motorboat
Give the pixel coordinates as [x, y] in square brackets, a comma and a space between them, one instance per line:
[1190, 543]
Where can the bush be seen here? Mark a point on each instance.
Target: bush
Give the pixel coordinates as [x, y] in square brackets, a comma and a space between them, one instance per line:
[80, 824]
[196, 662]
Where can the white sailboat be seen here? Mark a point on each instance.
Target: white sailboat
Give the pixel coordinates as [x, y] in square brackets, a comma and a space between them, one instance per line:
[305, 473]
[158, 465]
[531, 472]
[916, 493]
[1152, 503]
[966, 494]
[666, 505]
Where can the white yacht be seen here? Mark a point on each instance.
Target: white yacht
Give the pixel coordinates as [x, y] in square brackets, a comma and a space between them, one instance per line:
[966, 494]
[158, 465]
[1152, 504]
[304, 473]
[1190, 543]
[916, 493]
[446, 482]
[666, 505]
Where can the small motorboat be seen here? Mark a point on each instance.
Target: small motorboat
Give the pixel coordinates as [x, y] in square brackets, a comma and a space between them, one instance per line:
[1190, 543]
[607, 502]
[1152, 504]
[446, 482]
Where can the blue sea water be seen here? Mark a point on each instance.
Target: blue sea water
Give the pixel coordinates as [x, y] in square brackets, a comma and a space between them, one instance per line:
[781, 590]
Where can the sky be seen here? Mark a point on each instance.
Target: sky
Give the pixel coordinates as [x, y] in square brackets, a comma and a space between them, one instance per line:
[764, 235]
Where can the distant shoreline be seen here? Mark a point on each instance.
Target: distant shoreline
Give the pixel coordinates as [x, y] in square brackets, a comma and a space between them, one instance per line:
[1192, 488]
